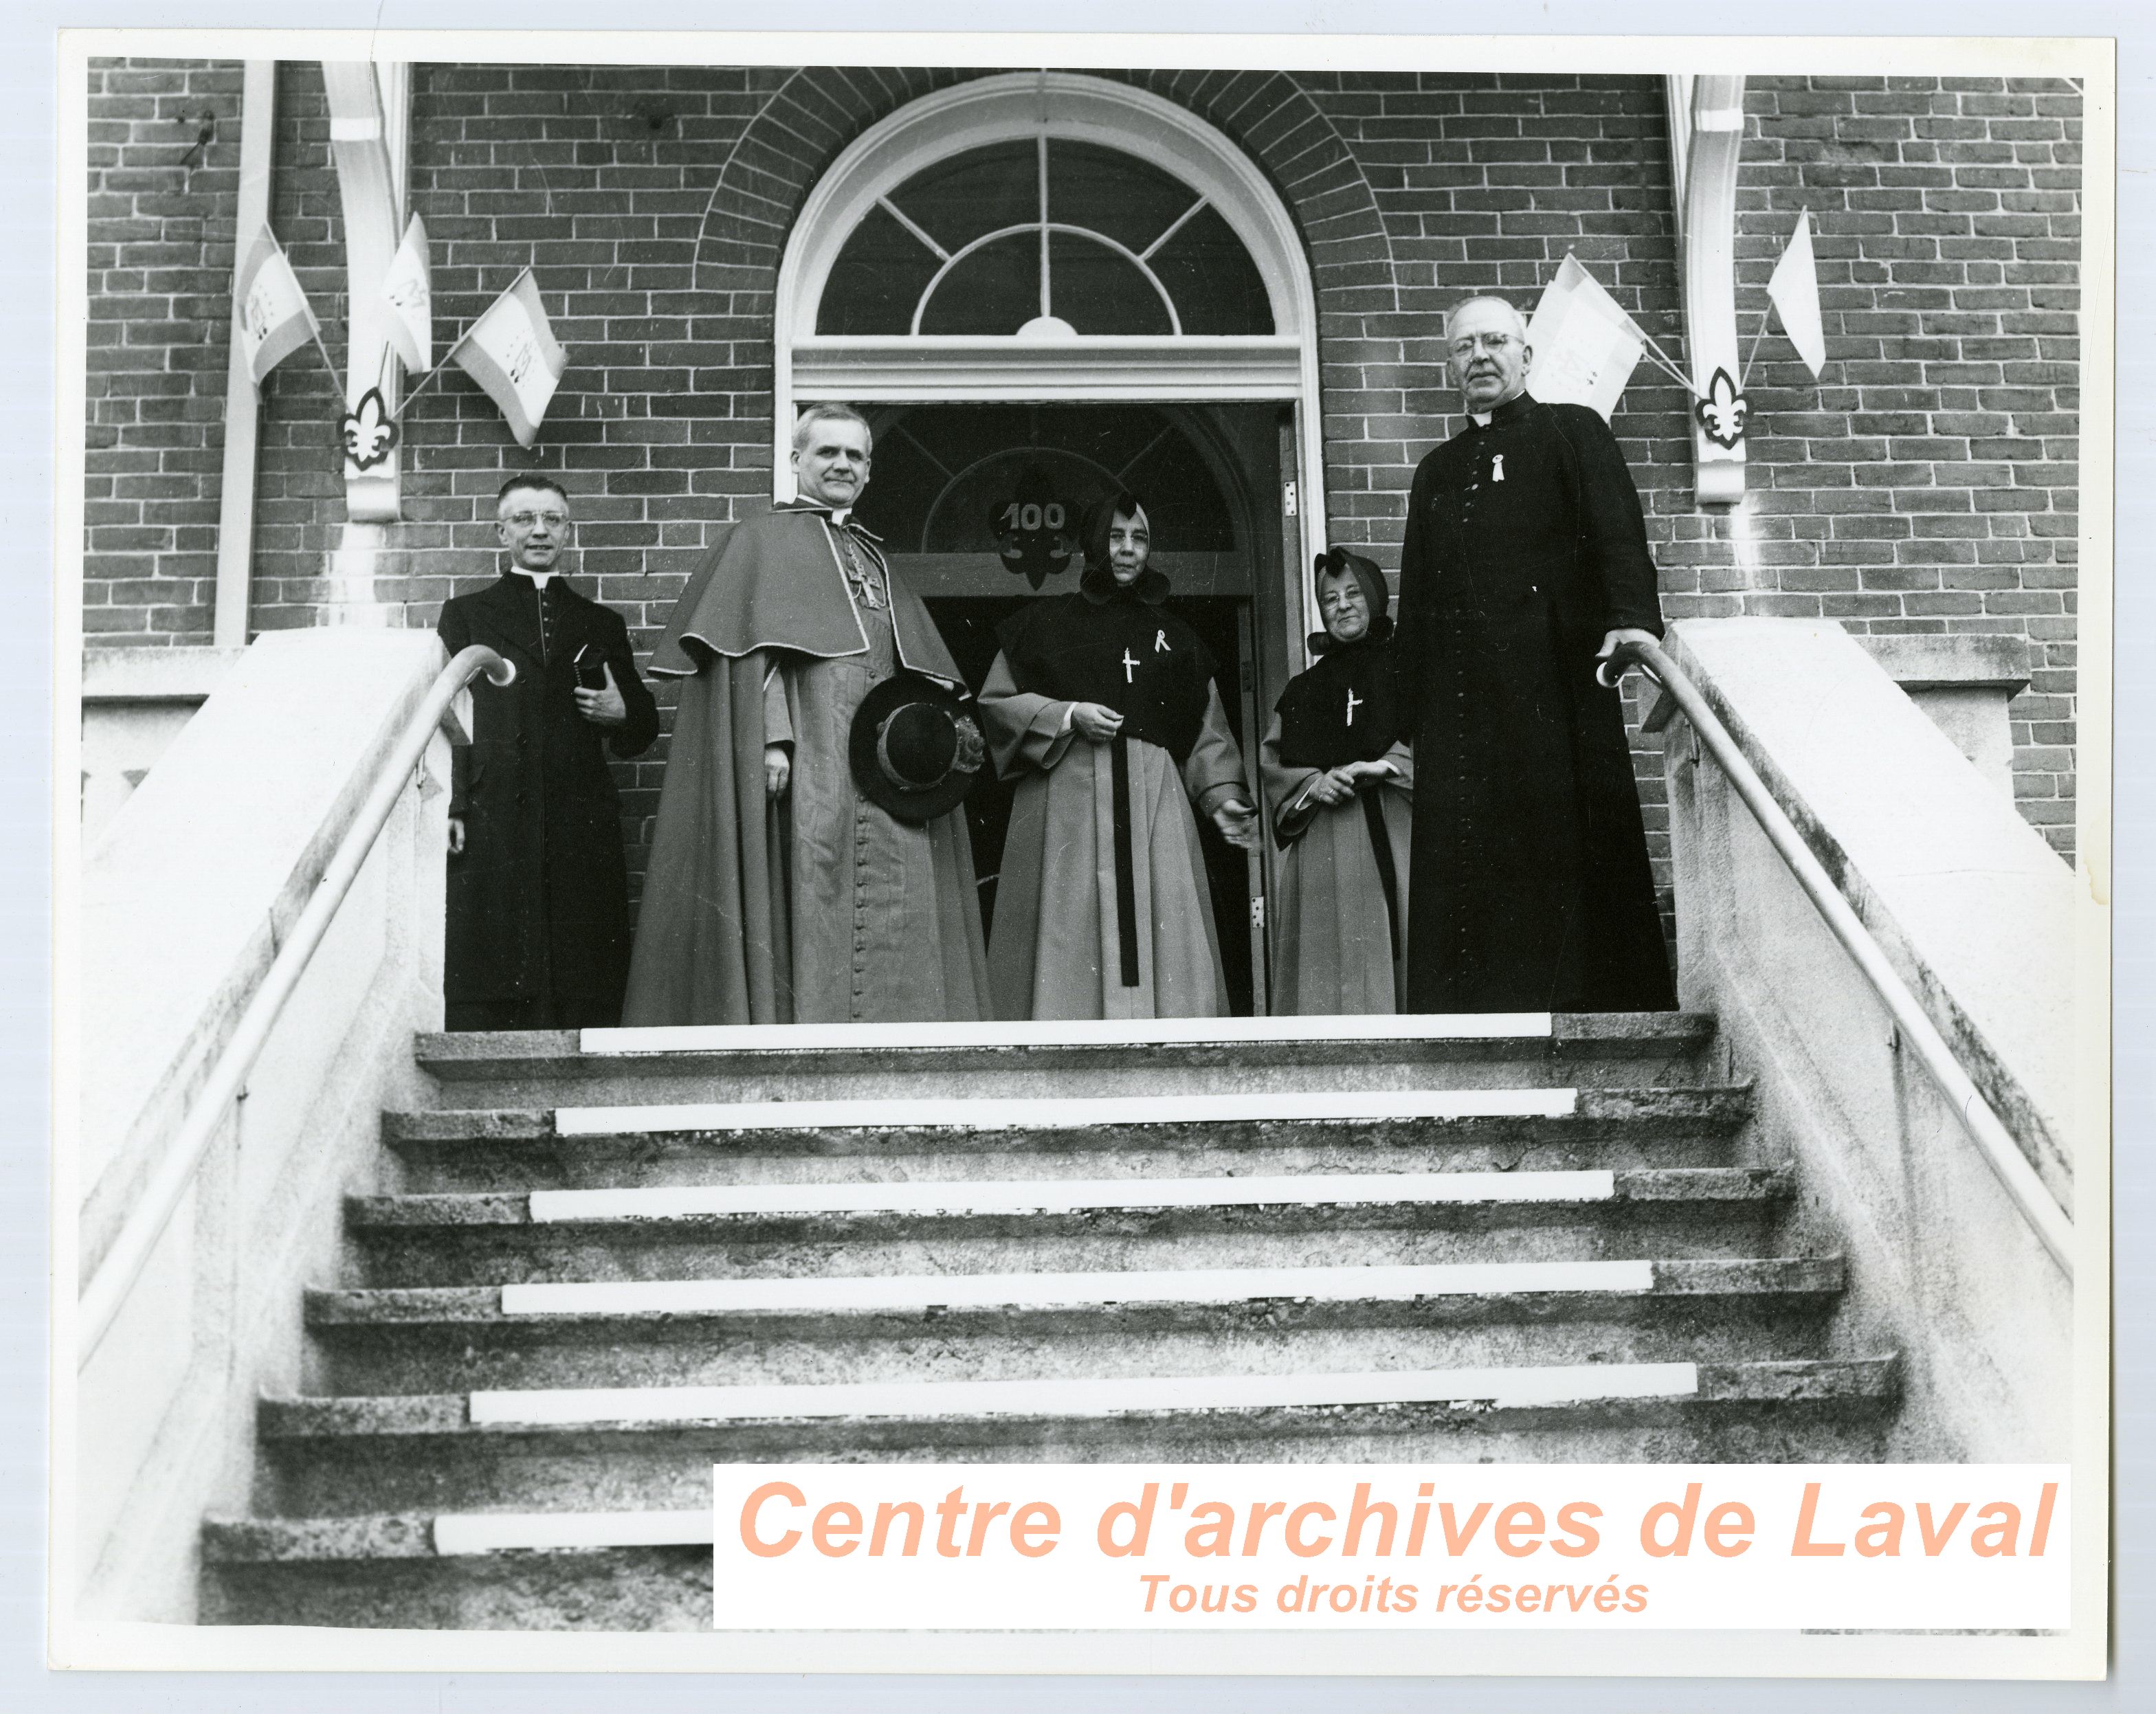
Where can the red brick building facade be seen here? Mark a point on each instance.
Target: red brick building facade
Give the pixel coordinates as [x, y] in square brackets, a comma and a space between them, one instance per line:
[1927, 484]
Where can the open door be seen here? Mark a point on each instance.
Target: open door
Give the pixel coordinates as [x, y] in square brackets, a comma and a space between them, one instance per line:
[957, 487]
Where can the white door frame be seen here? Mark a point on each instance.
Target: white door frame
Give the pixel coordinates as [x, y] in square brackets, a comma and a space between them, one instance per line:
[1282, 366]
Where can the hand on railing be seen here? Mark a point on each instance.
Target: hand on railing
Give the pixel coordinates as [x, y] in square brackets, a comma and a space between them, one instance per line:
[1619, 653]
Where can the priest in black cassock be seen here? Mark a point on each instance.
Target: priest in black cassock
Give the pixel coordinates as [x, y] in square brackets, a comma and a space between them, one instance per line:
[538, 888]
[1525, 566]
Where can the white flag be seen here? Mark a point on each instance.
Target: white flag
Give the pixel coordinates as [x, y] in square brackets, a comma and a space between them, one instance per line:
[1585, 347]
[511, 350]
[410, 298]
[271, 316]
[1794, 289]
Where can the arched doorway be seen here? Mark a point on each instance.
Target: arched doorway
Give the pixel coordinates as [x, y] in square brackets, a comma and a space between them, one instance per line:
[1041, 285]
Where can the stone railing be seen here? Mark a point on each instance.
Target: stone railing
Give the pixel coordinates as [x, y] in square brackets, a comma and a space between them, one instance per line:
[187, 895]
[1991, 933]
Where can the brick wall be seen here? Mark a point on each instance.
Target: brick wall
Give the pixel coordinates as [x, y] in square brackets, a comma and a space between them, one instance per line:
[1926, 484]
[161, 216]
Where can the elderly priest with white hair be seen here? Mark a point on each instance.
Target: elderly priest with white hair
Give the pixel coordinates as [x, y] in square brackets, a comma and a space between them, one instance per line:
[1524, 568]
[810, 862]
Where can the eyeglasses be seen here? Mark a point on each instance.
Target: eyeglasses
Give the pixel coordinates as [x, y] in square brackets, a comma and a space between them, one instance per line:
[525, 521]
[1468, 343]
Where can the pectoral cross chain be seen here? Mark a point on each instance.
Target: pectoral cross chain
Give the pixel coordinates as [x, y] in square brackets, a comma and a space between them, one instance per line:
[1354, 702]
[1130, 665]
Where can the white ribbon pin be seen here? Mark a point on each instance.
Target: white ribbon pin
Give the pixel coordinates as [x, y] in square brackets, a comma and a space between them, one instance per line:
[1160, 643]
[1497, 468]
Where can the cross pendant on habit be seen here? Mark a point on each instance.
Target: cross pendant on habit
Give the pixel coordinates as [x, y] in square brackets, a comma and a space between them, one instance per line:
[1129, 666]
[1354, 702]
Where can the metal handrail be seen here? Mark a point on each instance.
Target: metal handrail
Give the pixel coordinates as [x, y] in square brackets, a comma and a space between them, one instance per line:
[2001, 1152]
[122, 1265]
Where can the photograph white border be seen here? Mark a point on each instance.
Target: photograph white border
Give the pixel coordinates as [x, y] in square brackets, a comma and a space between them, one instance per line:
[74, 1641]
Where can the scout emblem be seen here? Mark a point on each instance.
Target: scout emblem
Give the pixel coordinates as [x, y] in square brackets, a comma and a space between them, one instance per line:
[1032, 529]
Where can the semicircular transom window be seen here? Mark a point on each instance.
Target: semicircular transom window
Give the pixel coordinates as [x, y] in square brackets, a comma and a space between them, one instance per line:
[1044, 237]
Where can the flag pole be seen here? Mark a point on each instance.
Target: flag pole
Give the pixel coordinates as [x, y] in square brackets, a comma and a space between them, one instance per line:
[398, 416]
[315, 332]
[1764, 315]
[1668, 367]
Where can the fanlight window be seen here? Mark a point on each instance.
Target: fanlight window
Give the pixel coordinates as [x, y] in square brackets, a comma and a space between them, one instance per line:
[1044, 237]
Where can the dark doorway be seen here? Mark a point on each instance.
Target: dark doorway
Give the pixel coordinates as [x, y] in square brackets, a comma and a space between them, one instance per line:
[978, 506]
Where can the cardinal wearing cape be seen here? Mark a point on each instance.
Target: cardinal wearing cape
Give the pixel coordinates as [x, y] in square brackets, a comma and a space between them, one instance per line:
[1340, 780]
[1102, 909]
[815, 906]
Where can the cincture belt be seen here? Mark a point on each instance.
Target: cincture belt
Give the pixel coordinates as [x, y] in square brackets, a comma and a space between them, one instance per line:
[1127, 881]
[1381, 848]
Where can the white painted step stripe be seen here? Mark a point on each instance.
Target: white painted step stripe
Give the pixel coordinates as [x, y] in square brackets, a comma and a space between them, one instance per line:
[1056, 1196]
[915, 1291]
[1509, 1388]
[1017, 1112]
[457, 1533]
[734, 1038]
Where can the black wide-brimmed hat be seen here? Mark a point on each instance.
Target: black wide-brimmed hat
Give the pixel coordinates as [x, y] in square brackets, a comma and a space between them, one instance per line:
[916, 748]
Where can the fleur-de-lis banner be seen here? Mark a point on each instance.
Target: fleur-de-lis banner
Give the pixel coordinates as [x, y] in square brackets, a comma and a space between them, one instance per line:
[511, 350]
[275, 319]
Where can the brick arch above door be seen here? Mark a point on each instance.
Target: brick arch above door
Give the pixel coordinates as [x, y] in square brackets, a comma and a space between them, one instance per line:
[814, 112]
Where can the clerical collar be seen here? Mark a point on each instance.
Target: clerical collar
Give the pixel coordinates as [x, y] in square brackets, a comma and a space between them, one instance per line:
[542, 579]
[840, 517]
[1511, 408]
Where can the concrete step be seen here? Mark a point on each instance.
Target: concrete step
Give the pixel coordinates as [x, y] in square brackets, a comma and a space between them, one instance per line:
[841, 1206]
[453, 1356]
[1179, 1056]
[566, 1453]
[1224, 1321]
[1287, 1130]
[1031, 1226]
[547, 1163]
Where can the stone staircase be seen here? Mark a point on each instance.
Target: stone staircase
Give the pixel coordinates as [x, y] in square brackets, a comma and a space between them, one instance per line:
[1417, 1239]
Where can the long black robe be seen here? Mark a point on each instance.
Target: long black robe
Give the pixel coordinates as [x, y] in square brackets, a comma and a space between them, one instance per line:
[538, 902]
[1529, 886]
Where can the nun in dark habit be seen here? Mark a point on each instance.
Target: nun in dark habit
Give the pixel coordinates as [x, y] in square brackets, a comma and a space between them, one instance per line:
[1102, 705]
[1340, 781]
